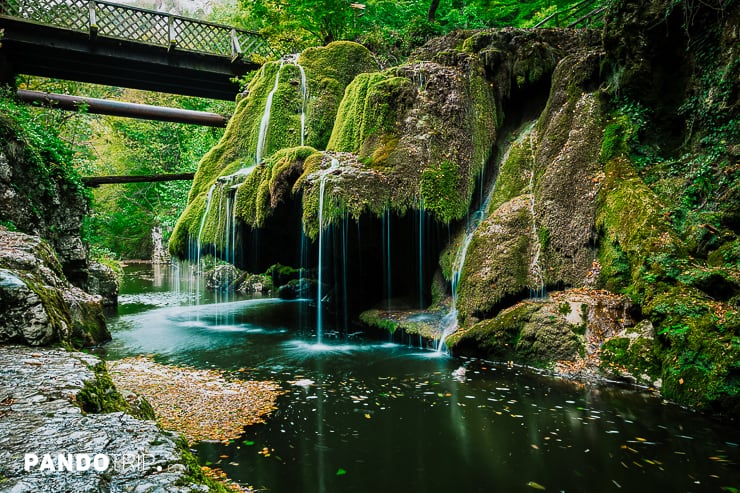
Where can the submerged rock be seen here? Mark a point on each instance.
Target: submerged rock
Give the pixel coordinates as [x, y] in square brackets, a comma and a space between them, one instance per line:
[41, 395]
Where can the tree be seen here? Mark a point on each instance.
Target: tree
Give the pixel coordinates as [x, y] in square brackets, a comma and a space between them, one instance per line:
[324, 20]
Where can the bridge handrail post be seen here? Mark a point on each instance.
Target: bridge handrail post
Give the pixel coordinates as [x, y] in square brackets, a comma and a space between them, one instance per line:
[171, 34]
[93, 22]
[236, 49]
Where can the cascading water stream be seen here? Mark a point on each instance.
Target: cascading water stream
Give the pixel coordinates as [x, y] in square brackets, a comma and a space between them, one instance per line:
[320, 287]
[538, 291]
[449, 322]
[199, 241]
[265, 122]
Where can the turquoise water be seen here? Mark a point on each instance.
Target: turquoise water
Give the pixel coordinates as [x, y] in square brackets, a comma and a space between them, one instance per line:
[363, 415]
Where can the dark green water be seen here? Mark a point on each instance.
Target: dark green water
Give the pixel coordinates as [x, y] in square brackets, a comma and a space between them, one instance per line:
[378, 416]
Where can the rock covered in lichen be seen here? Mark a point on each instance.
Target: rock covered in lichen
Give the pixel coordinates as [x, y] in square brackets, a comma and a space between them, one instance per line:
[39, 306]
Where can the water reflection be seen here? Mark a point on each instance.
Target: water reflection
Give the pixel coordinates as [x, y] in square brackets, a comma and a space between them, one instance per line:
[367, 416]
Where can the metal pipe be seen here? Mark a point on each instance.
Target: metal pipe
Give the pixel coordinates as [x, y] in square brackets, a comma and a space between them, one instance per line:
[96, 181]
[120, 108]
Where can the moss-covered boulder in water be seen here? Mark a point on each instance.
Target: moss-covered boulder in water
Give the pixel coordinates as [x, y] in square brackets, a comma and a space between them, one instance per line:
[527, 333]
[497, 264]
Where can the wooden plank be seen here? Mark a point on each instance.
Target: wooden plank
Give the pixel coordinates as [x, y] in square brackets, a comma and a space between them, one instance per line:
[96, 181]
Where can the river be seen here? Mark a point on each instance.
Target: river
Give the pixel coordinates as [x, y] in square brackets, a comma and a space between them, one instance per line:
[363, 415]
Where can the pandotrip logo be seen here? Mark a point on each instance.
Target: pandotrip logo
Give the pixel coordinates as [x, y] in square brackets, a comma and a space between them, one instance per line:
[119, 463]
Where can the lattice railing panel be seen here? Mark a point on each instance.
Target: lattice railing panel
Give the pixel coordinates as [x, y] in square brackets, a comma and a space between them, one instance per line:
[132, 24]
[206, 38]
[101, 18]
[67, 14]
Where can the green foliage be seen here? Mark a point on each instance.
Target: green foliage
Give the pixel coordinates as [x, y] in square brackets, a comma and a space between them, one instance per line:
[315, 21]
[124, 215]
[564, 308]
[45, 146]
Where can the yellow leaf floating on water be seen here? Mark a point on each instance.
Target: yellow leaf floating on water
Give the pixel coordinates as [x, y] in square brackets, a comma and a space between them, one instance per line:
[535, 485]
[367, 415]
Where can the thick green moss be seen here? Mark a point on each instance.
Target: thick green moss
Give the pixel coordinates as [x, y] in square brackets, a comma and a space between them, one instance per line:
[438, 184]
[700, 349]
[427, 326]
[331, 69]
[698, 343]
[529, 333]
[101, 396]
[195, 474]
[328, 70]
[497, 263]
[368, 117]
[497, 336]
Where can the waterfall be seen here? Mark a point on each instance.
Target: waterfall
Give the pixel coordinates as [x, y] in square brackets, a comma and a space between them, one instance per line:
[199, 241]
[538, 290]
[320, 288]
[422, 216]
[387, 272]
[449, 322]
[304, 100]
[265, 122]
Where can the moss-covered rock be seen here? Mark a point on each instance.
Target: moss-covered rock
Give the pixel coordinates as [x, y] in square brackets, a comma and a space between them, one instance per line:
[426, 324]
[99, 395]
[497, 264]
[330, 69]
[632, 355]
[399, 123]
[528, 333]
[240, 157]
[39, 305]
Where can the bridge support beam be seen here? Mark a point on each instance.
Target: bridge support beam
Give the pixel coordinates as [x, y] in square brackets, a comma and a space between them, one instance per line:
[119, 108]
[96, 181]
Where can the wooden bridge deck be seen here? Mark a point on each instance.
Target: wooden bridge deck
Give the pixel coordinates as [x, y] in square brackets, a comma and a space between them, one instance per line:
[106, 43]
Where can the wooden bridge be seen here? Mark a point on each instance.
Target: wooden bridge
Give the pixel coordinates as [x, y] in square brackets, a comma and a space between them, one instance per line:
[107, 43]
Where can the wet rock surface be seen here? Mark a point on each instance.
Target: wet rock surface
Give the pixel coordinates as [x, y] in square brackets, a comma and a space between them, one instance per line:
[38, 415]
[39, 306]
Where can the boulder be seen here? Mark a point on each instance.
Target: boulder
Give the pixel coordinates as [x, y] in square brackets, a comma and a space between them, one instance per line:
[39, 306]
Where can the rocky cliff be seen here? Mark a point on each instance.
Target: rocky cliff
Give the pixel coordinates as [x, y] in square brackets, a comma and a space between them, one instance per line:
[46, 276]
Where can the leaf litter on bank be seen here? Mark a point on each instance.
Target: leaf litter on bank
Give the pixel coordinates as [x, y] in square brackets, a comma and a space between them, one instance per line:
[200, 404]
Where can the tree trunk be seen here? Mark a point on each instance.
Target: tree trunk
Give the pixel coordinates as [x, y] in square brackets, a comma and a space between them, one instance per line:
[432, 12]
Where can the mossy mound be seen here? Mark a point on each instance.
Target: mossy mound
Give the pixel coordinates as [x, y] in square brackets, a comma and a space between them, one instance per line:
[400, 122]
[497, 265]
[428, 325]
[277, 85]
[330, 69]
[528, 333]
[697, 335]
[542, 210]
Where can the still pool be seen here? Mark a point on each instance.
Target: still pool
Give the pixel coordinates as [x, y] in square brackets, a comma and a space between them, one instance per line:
[362, 415]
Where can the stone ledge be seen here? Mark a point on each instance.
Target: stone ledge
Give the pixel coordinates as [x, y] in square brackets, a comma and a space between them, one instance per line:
[38, 415]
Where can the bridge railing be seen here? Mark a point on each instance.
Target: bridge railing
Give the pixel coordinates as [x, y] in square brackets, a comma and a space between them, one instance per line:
[581, 14]
[129, 23]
